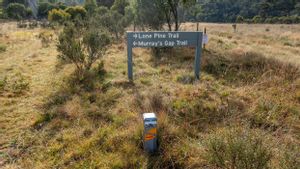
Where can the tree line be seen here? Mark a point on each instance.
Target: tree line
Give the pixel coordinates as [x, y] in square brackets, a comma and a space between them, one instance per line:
[172, 11]
[255, 11]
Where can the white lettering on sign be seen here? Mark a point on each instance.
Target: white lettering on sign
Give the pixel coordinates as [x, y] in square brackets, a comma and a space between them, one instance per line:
[168, 43]
[159, 35]
[173, 35]
[182, 43]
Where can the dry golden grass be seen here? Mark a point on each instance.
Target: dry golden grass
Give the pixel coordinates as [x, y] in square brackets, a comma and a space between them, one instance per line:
[56, 124]
[275, 41]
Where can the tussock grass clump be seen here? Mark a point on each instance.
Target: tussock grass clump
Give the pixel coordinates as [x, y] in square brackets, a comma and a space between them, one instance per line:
[298, 96]
[237, 148]
[19, 84]
[149, 102]
[186, 79]
[103, 102]
[248, 67]
[15, 84]
[46, 38]
[290, 157]
[204, 106]
[3, 83]
[172, 152]
[271, 115]
[2, 48]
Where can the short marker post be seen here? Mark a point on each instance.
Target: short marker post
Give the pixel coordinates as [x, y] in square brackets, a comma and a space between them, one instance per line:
[150, 132]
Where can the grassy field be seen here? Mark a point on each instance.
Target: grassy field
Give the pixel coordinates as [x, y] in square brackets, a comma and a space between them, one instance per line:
[242, 113]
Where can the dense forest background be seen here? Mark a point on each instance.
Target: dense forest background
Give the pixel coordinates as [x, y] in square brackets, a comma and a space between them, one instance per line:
[224, 11]
[230, 10]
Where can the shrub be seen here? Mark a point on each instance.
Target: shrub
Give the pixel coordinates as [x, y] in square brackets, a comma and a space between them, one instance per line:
[44, 8]
[257, 19]
[22, 24]
[76, 11]
[33, 24]
[2, 48]
[82, 49]
[119, 6]
[90, 6]
[3, 82]
[269, 20]
[298, 96]
[5, 3]
[46, 38]
[114, 22]
[239, 19]
[58, 15]
[102, 10]
[61, 6]
[237, 149]
[19, 84]
[290, 159]
[16, 11]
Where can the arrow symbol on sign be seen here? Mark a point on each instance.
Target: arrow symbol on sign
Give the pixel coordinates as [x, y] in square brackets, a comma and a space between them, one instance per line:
[134, 43]
[135, 36]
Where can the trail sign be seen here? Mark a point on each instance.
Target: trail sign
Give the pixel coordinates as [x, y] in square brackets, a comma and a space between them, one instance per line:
[164, 39]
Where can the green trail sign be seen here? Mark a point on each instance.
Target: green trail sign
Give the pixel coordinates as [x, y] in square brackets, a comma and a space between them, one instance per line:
[164, 39]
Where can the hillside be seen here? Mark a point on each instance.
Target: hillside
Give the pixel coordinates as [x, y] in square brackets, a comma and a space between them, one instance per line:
[230, 10]
[247, 102]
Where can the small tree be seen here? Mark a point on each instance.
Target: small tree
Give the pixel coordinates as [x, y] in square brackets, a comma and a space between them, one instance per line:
[82, 49]
[5, 3]
[17, 11]
[102, 10]
[90, 6]
[44, 8]
[120, 5]
[112, 20]
[106, 3]
[58, 15]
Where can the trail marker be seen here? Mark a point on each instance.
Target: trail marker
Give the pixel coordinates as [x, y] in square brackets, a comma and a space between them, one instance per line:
[150, 132]
[164, 39]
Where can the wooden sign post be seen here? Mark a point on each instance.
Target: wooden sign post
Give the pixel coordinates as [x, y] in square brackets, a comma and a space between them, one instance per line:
[164, 39]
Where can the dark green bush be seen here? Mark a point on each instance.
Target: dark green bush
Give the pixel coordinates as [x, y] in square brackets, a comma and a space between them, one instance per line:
[17, 11]
[239, 19]
[113, 21]
[61, 6]
[119, 6]
[5, 3]
[102, 10]
[90, 6]
[257, 19]
[44, 8]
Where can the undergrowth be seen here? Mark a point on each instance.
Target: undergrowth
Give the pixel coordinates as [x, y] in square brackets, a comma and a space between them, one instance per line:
[237, 149]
